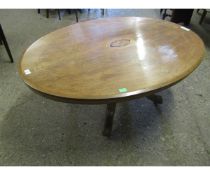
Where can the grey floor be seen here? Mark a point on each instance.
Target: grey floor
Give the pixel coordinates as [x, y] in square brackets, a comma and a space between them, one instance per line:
[38, 131]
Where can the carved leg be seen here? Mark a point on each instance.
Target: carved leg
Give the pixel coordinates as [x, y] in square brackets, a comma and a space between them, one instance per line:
[109, 119]
[156, 99]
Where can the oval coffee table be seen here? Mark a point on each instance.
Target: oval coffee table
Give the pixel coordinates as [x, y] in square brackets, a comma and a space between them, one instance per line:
[111, 60]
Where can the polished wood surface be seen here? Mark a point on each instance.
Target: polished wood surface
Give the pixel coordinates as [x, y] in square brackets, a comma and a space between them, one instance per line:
[111, 59]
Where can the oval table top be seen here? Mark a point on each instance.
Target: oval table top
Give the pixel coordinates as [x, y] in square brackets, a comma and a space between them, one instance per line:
[111, 59]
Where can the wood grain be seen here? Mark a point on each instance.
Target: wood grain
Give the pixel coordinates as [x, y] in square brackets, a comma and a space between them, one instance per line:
[93, 61]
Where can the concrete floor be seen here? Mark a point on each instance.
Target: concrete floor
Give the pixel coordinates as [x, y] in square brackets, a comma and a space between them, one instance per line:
[38, 131]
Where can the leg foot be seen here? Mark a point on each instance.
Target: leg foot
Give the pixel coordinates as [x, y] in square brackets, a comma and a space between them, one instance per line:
[109, 119]
[156, 99]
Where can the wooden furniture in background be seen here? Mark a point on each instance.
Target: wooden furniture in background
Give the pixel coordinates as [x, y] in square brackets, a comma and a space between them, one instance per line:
[102, 11]
[178, 15]
[75, 12]
[203, 15]
[164, 13]
[59, 14]
[48, 12]
[111, 60]
[3, 41]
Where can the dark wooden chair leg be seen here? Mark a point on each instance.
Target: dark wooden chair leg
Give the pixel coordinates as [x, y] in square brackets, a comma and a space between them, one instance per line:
[103, 11]
[47, 13]
[59, 14]
[76, 14]
[109, 119]
[3, 38]
[164, 13]
[156, 99]
[203, 16]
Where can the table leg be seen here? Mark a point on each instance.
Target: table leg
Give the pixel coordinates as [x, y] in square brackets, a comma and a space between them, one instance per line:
[156, 99]
[109, 119]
